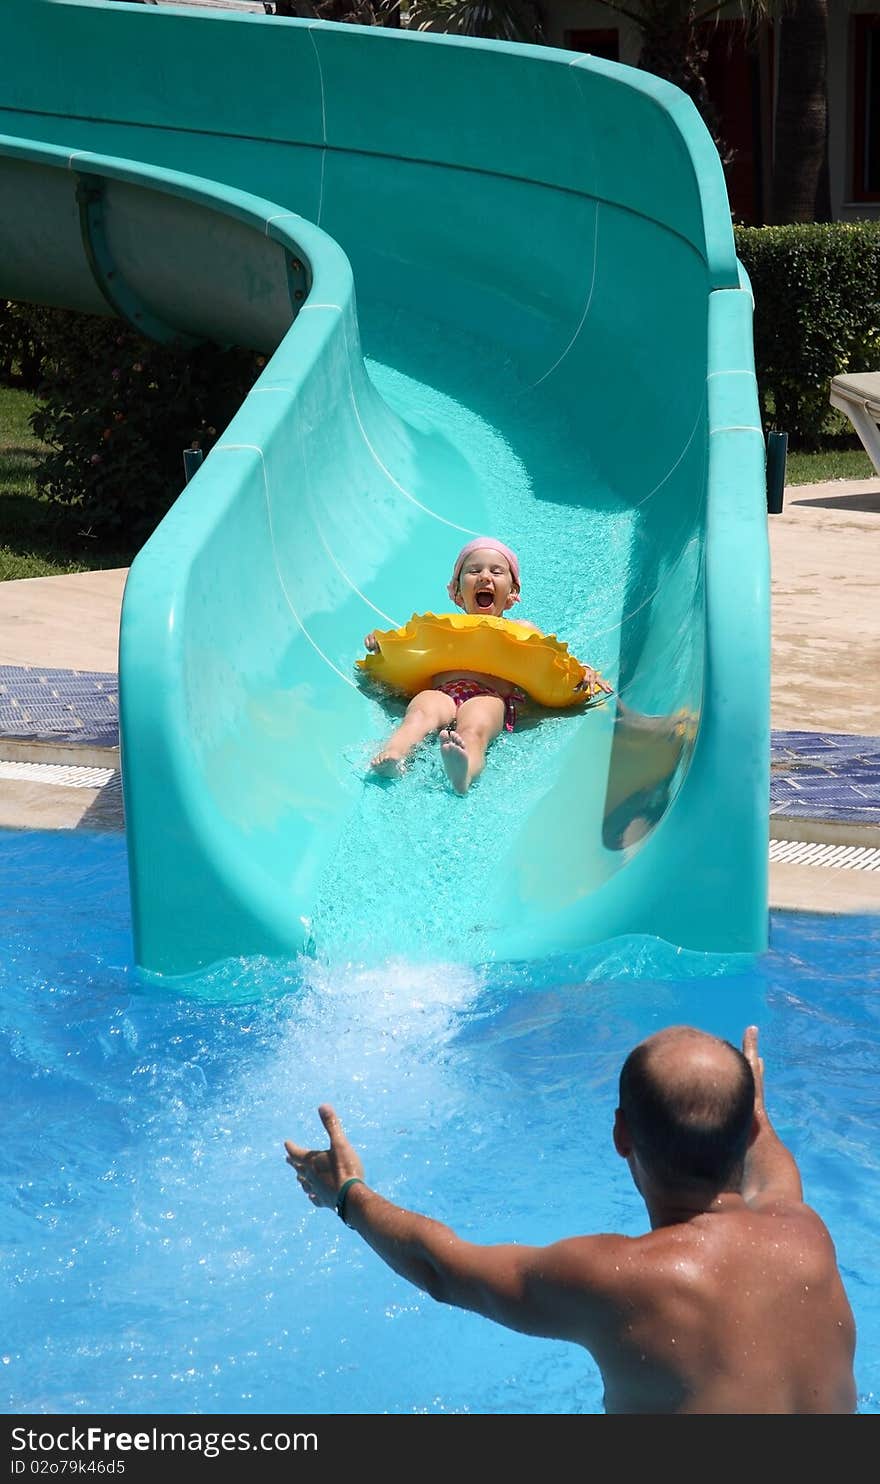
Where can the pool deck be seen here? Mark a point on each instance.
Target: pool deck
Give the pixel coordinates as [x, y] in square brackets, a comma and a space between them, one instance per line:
[59, 739]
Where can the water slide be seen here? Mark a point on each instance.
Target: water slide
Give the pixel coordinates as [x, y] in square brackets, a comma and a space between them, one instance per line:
[497, 290]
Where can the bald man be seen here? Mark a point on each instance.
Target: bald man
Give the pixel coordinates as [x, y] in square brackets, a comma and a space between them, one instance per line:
[731, 1303]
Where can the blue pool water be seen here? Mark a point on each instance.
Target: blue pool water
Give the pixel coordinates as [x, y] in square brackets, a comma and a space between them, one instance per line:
[158, 1256]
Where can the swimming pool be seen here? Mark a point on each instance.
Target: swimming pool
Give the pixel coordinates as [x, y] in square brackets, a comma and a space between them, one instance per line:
[158, 1255]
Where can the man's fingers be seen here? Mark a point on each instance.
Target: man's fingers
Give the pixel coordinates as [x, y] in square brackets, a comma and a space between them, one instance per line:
[330, 1120]
[299, 1156]
[756, 1062]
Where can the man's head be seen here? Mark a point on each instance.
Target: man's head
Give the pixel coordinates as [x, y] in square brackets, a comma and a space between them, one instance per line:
[686, 1109]
[485, 578]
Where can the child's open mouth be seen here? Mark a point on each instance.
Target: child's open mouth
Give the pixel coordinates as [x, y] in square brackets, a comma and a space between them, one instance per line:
[485, 600]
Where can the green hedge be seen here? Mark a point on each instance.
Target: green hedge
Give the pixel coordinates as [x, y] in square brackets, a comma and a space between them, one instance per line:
[817, 314]
[117, 410]
[21, 356]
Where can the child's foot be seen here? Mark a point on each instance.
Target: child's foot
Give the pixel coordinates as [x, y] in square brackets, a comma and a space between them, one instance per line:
[388, 763]
[455, 759]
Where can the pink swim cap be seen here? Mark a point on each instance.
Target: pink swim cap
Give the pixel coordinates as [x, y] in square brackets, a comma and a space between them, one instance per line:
[490, 544]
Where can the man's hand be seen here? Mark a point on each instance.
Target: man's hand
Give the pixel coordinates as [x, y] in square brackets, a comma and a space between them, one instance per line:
[756, 1062]
[321, 1172]
[771, 1173]
[371, 643]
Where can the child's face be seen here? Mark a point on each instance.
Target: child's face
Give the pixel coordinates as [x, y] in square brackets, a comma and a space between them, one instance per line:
[485, 584]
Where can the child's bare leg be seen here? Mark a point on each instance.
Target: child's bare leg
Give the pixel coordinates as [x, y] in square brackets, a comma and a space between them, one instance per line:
[463, 746]
[426, 712]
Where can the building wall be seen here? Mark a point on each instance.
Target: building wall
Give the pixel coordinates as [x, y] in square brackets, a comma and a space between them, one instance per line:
[579, 15]
[843, 112]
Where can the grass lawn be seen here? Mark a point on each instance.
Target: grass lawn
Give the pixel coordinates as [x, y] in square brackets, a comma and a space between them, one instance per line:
[836, 463]
[41, 540]
[37, 539]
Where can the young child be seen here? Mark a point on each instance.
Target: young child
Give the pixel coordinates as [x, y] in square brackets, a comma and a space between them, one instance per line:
[466, 708]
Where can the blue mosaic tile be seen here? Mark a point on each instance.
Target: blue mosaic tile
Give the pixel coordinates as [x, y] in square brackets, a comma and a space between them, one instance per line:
[823, 745]
[822, 775]
[782, 785]
[43, 705]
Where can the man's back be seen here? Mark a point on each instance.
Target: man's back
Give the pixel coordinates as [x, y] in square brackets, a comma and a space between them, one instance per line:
[732, 1311]
[731, 1303]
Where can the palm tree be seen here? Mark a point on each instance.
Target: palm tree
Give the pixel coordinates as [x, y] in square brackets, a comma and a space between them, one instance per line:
[354, 12]
[673, 44]
[801, 190]
[672, 48]
[494, 20]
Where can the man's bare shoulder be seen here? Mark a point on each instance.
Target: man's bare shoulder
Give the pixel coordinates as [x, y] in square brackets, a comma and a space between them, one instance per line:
[792, 1226]
[613, 1261]
[601, 1264]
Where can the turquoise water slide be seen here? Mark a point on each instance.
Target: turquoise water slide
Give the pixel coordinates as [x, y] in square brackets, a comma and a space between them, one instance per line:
[497, 290]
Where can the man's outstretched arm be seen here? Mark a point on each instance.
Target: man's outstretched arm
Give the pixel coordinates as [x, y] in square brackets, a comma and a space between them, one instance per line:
[771, 1172]
[529, 1289]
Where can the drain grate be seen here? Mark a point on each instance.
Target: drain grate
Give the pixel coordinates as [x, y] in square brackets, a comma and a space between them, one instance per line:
[838, 857]
[59, 773]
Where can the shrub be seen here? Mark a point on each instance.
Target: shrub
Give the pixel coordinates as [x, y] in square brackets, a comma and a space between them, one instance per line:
[117, 410]
[817, 314]
[21, 354]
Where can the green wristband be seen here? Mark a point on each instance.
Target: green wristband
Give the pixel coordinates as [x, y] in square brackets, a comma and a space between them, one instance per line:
[344, 1188]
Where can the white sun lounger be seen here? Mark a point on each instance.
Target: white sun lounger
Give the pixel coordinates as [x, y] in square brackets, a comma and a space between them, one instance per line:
[859, 397]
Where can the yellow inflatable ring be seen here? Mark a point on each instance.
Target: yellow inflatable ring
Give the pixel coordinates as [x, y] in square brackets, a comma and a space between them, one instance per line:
[540, 664]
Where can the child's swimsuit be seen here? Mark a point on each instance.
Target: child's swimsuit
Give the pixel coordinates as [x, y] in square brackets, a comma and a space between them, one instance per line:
[465, 690]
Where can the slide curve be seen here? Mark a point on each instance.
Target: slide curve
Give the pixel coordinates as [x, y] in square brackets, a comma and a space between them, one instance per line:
[497, 290]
